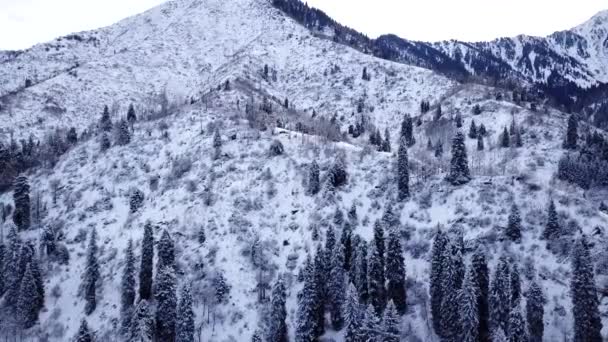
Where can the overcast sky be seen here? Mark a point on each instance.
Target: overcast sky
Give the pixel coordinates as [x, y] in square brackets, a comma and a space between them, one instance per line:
[26, 22]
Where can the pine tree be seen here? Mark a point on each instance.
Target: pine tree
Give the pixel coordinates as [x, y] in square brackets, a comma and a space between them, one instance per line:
[321, 269]
[84, 334]
[585, 303]
[371, 326]
[552, 228]
[386, 143]
[21, 197]
[164, 293]
[91, 275]
[458, 120]
[146, 266]
[403, 173]
[517, 326]
[37, 275]
[519, 142]
[142, 323]
[482, 130]
[346, 239]
[277, 327]
[11, 268]
[217, 138]
[128, 288]
[500, 296]
[336, 286]
[571, 138]
[499, 336]
[480, 145]
[352, 215]
[479, 265]
[338, 217]
[469, 314]
[166, 252]
[535, 312]
[473, 130]
[437, 273]
[391, 323]
[314, 184]
[379, 243]
[131, 117]
[361, 273]
[376, 280]
[390, 220]
[185, 316]
[338, 175]
[104, 142]
[504, 138]
[352, 314]
[459, 168]
[307, 315]
[395, 273]
[123, 133]
[27, 303]
[72, 136]
[407, 131]
[450, 317]
[105, 123]
[513, 231]
[515, 284]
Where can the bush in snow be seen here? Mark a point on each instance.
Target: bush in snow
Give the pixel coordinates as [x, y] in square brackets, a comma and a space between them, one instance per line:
[276, 148]
[136, 200]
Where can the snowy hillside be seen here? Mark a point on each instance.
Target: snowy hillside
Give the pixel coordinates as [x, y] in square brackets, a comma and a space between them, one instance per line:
[235, 102]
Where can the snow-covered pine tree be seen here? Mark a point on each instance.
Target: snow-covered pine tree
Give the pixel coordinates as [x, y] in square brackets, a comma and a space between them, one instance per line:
[346, 239]
[376, 280]
[386, 142]
[147, 260]
[429, 145]
[469, 314]
[336, 286]
[105, 123]
[390, 324]
[552, 228]
[407, 131]
[395, 273]
[517, 326]
[480, 266]
[535, 312]
[473, 130]
[352, 215]
[72, 136]
[142, 323]
[127, 289]
[513, 231]
[458, 120]
[11, 268]
[131, 117]
[314, 185]
[123, 134]
[166, 303]
[390, 220]
[585, 303]
[351, 311]
[482, 130]
[21, 198]
[338, 217]
[277, 326]
[379, 242]
[371, 326]
[360, 279]
[440, 245]
[307, 312]
[27, 303]
[403, 173]
[166, 252]
[37, 275]
[84, 334]
[499, 336]
[515, 284]
[450, 316]
[91, 275]
[504, 138]
[500, 296]
[459, 165]
[338, 175]
[104, 142]
[320, 297]
[571, 138]
[519, 141]
[184, 326]
[217, 138]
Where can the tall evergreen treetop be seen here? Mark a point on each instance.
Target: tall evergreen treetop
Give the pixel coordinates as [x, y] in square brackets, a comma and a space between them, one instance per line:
[459, 165]
[146, 266]
[583, 291]
[552, 228]
[571, 138]
[403, 173]
[185, 316]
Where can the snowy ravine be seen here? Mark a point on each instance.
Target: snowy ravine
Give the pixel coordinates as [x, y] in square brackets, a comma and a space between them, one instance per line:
[208, 58]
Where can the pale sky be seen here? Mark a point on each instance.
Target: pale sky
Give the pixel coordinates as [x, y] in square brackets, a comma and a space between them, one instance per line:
[26, 22]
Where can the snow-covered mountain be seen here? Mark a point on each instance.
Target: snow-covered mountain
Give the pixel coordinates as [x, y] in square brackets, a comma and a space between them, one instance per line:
[280, 95]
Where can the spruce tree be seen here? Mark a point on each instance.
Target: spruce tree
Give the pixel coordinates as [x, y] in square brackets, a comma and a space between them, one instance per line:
[500, 296]
[504, 138]
[21, 197]
[123, 134]
[535, 312]
[386, 143]
[390, 324]
[277, 327]
[519, 142]
[336, 287]
[166, 252]
[217, 139]
[517, 326]
[458, 120]
[403, 173]
[352, 314]
[346, 239]
[27, 303]
[91, 275]
[395, 273]
[376, 280]
[37, 275]
[321, 269]
[142, 323]
[552, 228]
[482, 130]
[390, 220]
[513, 231]
[450, 317]
[515, 284]
[499, 336]
[104, 142]
[583, 291]
[185, 316]
[379, 242]
[360, 279]
[407, 131]
[437, 273]
[473, 130]
[11, 268]
[571, 138]
[84, 334]
[307, 315]
[314, 184]
[371, 327]
[164, 293]
[128, 288]
[468, 302]
[131, 117]
[146, 266]
[459, 165]
[105, 123]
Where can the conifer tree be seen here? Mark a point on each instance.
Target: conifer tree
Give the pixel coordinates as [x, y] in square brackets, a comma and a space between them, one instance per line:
[84, 334]
[217, 138]
[391, 323]
[104, 142]
[131, 117]
[583, 291]
[437, 273]
[91, 275]
[277, 327]
[166, 252]
[515, 285]
[128, 288]
[142, 323]
[164, 293]
[519, 142]
[37, 275]
[105, 123]
[535, 312]
[499, 336]
[438, 149]
[407, 131]
[480, 145]
[482, 130]
[146, 266]
[360, 279]
[379, 243]
[346, 239]
[314, 184]
[469, 314]
[386, 143]
[320, 272]
[21, 197]
[403, 173]
[27, 303]
[371, 326]
[458, 120]
[307, 314]
[72, 136]
[185, 316]
[513, 231]
[11, 268]
[336, 287]
[123, 133]
[376, 280]
[552, 228]
[571, 138]
[504, 138]
[500, 296]
[517, 326]
[395, 273]
[473, 130]
[429, 145]
[352, 215]
[352, 315]
[450, 317]
[459, 165]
